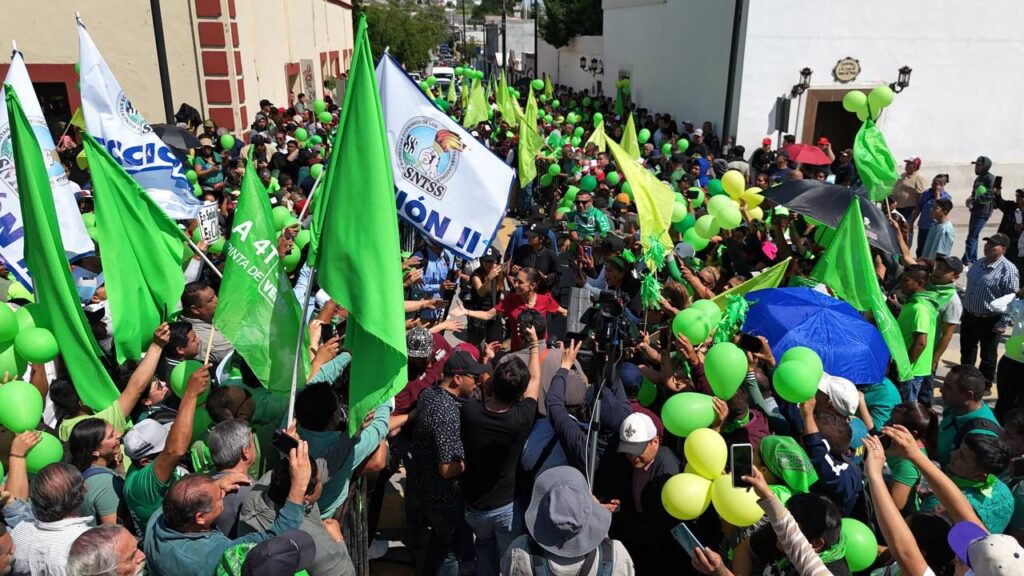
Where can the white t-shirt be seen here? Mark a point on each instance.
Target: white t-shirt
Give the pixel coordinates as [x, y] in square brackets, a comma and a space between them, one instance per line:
[950, 313]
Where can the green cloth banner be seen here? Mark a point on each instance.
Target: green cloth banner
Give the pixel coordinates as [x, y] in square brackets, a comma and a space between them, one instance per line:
[770, 278]
[258, 311]
[359, 252]
[875, 164]
[530, 142]
[58, 307]
[847, 268]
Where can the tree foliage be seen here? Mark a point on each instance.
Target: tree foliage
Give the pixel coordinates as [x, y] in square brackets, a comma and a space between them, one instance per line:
[489, 8]
[409, 32]
[563, 20]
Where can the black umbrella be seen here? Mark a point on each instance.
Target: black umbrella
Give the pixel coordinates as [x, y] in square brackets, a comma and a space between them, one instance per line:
[178, 139]
[827, 203]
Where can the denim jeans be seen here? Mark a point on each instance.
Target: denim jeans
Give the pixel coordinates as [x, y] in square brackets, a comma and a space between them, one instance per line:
[911, 389]
[448, 530]
[495, 530]
[974, 228]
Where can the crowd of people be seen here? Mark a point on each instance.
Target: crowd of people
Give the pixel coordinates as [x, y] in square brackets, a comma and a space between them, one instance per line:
[530, 432]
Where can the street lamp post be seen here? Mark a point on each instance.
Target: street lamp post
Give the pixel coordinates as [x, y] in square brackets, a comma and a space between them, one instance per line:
[595, 67]
[536, 54]
[504, 38]
[161, 60]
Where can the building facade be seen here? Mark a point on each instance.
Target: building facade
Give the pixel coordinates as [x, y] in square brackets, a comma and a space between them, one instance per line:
[224, 56]
[730, 61]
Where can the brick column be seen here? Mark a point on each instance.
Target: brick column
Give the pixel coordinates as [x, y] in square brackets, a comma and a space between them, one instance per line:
[221, 64]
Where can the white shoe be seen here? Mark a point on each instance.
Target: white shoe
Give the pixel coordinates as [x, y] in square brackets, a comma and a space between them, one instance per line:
[378, 549]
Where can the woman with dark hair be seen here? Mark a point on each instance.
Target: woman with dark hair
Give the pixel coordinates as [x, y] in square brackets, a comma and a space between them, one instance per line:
[923, 424]
[95, 449]
[526, 297]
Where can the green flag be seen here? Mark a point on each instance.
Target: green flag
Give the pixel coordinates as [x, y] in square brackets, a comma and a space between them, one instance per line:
[530, 142]
[654, 198]
[450, 97]
[358, 254]
[549, 88]
[770, 278]
[629, 142]
[141, 253]
[57, 308]
[875, 164]
[503, 99]
[620, 101]
[847, 268]
[257, 310]
[476, 111]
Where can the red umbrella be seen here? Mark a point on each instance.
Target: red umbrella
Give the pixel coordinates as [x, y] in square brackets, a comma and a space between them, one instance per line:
[806, 154]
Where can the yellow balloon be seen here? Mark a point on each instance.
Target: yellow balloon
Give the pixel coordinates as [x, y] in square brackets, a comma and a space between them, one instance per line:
[756, 213]
[733, 183]
[737, 506]
[752, 196]
[706, 451]
[686, 496]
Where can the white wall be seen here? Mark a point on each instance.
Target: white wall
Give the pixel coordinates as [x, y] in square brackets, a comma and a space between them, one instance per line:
[564, 64]
[678, 51]
[965, 89]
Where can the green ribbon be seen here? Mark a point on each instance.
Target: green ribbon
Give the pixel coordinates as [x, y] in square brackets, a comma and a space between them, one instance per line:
[984, 486]
[734, 425]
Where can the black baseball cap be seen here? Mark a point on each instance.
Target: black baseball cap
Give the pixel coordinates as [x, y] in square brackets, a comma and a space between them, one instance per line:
[612, 244]
[536, 213]
[288, 553]
[999, 238]
[954, 263]
[462, 363]
[537, 230]
[491, 254]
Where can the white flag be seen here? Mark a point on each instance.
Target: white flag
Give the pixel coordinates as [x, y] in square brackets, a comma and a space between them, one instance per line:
[117, 125]
[448, 184]
[12, 234]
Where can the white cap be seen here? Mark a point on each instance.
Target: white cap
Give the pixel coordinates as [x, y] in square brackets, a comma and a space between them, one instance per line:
[698, 132]
[146, 439]
[996, 555]
[636, 432]
[841, 392]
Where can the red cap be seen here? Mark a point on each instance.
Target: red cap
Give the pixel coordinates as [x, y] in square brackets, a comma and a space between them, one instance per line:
[767, 141]
[822, 141]
[915, 161]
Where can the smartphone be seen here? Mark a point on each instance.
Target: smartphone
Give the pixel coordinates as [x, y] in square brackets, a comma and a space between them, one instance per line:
[742, 464]
[326, 332]
[283, 442]
[589, 251]
[681, 532]
[1017, 468]
[998, 183]
[750, 343]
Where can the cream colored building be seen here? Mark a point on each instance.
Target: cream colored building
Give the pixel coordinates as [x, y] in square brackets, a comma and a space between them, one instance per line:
[224, 56]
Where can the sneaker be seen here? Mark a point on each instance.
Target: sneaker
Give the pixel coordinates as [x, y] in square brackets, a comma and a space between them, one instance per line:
[378, 549]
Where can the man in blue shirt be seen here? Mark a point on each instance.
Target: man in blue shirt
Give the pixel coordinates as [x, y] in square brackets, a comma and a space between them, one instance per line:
[988, 280]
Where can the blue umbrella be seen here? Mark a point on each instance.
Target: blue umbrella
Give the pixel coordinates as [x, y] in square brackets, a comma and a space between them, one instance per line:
[849, 346]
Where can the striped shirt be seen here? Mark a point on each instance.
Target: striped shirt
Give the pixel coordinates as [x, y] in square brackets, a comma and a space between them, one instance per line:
[41, 548]
[987, 283]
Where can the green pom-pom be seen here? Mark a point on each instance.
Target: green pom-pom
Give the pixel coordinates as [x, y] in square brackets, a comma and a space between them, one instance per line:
[650, 291]
[654, 252]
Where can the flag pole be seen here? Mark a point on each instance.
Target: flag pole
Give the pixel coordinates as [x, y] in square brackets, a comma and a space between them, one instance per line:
[305, 207]
[209, 345]
[206, 260]
[298, 345]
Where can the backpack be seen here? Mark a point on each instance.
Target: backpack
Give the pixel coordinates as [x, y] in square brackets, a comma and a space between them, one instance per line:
[972, 425]
[95, 471]
[604, 555]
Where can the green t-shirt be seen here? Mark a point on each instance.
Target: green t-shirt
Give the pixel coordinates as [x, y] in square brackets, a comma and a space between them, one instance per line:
[103, 495]
[144, 494]
[591, 222]
[111, 414]
[952, 422]
[881, 399]
[919, 316]
[904, 472]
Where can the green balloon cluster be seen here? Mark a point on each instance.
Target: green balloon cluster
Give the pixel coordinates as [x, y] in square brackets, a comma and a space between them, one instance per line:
[797, 376]
[868, 105]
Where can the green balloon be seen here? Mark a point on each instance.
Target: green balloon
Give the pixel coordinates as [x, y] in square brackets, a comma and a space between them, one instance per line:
[643, 136]
[693, 324]
[227, 141]
[537, 84]
[861, 545]
[180, 375]
[280, 215]
[459, 70]
[694, 239]
[316, 170]
[588, 183]
[302, 238]
[21, 406]
[666, 149]
[710, 310]
[319, 105]
[730, 217]
[726, 367]
[431, 80]
[688, 411]
[545, 180]
[218, 245]
[197, 190]
[683, 145]
[301, 134]
[804, 355]
[648, 393]
[48, 451]
[576, 141]
[11, 362]
[795, 381]
[37, 345]
[325, 117]
[543, 98]
[586, 101]
[555, 103]
[855, 101]
[880, 97]
[290, 221]
[578, 132]
[678, 211]
[706, 226]
[315, 139]
[192, 176]
[554, 170]
[598, 119]
[424, 86]
[291, 260]
[628, 189]
[612, 179]
[715, 187]
[8, 325]
[685, 224]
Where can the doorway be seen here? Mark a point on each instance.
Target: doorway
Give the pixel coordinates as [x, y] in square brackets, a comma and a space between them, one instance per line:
[825, 116]
[53, 99]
